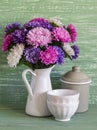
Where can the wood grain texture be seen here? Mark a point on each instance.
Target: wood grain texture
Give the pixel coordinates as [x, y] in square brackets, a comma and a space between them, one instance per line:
[18, 120]
[83, 14]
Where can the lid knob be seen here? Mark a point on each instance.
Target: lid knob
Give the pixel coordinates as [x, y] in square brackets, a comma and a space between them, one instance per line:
[76, 68]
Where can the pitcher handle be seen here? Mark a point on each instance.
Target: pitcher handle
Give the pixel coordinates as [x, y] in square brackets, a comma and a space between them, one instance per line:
[24, 77]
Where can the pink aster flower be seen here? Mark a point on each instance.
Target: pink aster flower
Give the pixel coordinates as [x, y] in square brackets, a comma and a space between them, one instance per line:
[48, 56]
[6, 42]
[61, 34]
[73, 33]
[39, 36]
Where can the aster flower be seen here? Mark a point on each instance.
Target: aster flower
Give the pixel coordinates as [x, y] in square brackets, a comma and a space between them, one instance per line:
[12, 27]
[55, 22]
[39, 37]
[32, 54]
[68, 49]
[42, 22]
[60, 54]
[73, 33]
[48, 56]
[33, 24]
[6, 42]
[18, 36]
[60, 34]
[15, 55]
[76, 51]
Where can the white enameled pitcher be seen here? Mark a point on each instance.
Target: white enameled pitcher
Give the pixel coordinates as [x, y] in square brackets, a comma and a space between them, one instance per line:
[37, 91]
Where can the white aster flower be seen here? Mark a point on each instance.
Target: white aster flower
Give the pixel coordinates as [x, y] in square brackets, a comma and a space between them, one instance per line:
[67, 48]
[15, 55]
[55, 21]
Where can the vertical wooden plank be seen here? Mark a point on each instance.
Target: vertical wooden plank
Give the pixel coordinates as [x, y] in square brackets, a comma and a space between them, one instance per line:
[81, 13]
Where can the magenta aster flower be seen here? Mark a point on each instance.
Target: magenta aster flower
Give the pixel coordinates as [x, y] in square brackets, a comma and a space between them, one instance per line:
[6, 42]
[73, 33]
[39, 37]
[61, 34]
[48, 56]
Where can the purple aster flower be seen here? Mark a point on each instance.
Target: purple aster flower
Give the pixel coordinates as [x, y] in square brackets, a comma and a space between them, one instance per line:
[47, 25]
[6, 42]
[12, 27]
[76, 50]
[73, 33]
[32, 54]
[31, 25]
[42, 22]
[60, 54]
[34, 24]
[18, 36]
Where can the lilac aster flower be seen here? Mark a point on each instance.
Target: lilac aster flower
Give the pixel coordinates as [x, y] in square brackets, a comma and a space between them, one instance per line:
[73, 33]
[76, 50]
[60, 34]
[39, 37]
[6, 42]
[18, 36]
[48, 56]
[12, 27]
[32, 54]
[60, 54]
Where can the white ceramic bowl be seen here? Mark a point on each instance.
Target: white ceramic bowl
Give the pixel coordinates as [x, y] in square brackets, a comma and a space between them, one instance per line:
[62, 103]
[62, 112]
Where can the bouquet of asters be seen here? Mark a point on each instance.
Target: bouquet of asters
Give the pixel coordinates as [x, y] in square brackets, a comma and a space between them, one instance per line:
[40, 43]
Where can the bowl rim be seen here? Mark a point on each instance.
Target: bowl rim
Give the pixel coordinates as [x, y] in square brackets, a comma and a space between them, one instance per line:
[52, 93]
[61, 104]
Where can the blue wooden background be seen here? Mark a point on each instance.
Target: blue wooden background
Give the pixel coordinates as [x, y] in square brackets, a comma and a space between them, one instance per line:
[82, 13]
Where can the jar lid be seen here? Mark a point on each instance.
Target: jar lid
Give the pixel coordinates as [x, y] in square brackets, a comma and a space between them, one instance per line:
[75, 76]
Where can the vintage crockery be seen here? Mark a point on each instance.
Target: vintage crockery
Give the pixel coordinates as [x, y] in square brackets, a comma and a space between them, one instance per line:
[77, 80]
[41, 83]
[62, 103]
